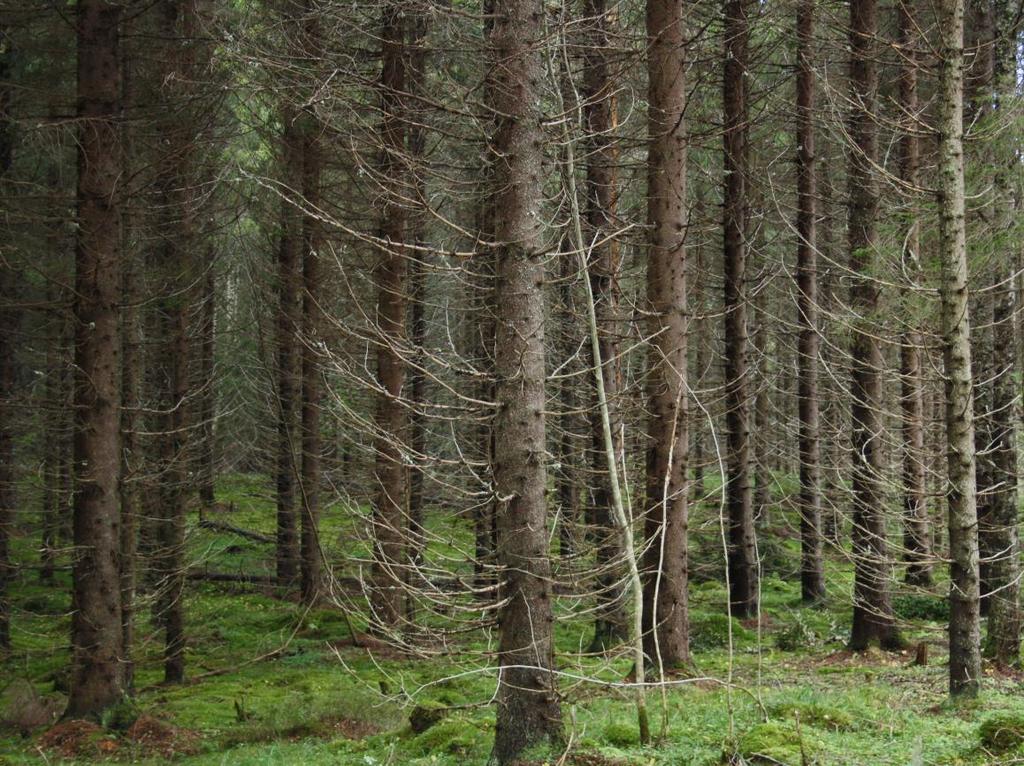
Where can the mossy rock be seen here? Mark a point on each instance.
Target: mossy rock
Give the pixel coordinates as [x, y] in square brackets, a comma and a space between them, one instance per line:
[710, 630]
[453, 737]
[1002, 731]
[621, 734]
[813, 714]
[775, 742]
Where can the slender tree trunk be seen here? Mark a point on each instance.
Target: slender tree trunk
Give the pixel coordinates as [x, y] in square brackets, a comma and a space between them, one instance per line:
[97, 679]
[528, 707]
[761, 443]
[8, 326]
[568, 477]
[872, 609]
[666, 565]
[206, 455]
[964, 636]
[311, 574]
[739, 492]
[915, 508]
[1004, 621]
[812, 572]
[611, 625]
[390, 503]
[288, 319]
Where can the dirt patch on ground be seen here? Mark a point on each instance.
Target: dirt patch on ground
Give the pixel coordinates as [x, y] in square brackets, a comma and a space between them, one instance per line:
[79, 739]
[155, 738]
[373, 645]
[349, 728]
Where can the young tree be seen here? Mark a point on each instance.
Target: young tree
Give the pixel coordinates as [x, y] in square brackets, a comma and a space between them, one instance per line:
[739, 492]
[872, 609]
[97, 677]
[666, 639]
[527, 698]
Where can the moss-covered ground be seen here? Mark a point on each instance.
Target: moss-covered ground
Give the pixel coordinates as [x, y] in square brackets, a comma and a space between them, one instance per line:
[272, 683]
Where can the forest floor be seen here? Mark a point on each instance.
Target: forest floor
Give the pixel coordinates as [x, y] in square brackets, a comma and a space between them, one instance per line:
[272, 683]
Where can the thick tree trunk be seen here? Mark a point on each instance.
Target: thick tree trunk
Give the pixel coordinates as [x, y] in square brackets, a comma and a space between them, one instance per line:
[872, 609]
[390, 503]
[288, 320]
[812, 572]
[97, 679]
[528, 707]
[666, 563]
[964, 637]
[611, 625]
[739, 492]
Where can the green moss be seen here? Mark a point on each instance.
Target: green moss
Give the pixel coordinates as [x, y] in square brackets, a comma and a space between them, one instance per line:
[776, 742]
[1002, 731]
[452, 737]
[621, 734]
[814, 714]
[710, 630]
[921, 607]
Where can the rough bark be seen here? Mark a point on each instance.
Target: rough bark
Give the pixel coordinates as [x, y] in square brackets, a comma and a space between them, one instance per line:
[666, 563]
[390, 504]
[964, 594]
[872, 610]
[611, 624]
[8, 320]
[311, 569]
[528, 706]
[739, 492]
[812, 572]
[97, 679]
[289, 309]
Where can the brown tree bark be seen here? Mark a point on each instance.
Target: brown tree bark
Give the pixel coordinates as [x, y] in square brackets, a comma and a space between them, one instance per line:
[289, 262]
[739, 492]
[964, 592]
[812, 572]
[611, 624]
[97, 679]
[311, 569]
[916, 542]
[390, 507]
[872, 609]
[528, 706]
[666, 563]
[8, 326]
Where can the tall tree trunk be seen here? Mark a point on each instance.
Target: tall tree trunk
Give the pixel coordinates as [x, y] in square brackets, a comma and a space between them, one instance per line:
[175, 266]
[8, 320]
[311, 574]
[872, 609]
[611, 624]
[288, 320]
[390, 503]
[915, 508]
[666, 564]
[528, 707]
[812, 572]
[97, 679]
[1004, 621]
[964, 636]
[739, 492]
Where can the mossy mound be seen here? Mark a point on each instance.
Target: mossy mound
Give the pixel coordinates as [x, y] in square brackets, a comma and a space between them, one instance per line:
[710, 630]
[921, 607]
[814, 714]
[1002, 731]
[452, 736]
[778, 743]
[621, 734]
